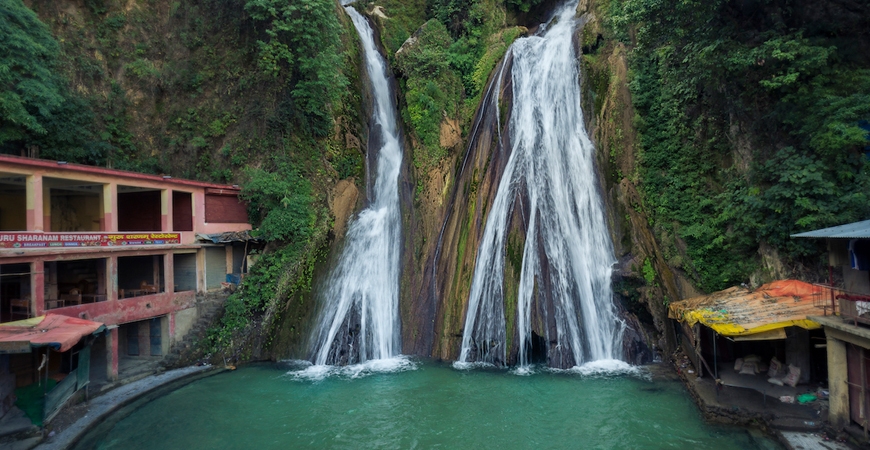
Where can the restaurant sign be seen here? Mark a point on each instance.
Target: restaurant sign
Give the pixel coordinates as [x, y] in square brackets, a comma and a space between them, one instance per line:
[54, 240]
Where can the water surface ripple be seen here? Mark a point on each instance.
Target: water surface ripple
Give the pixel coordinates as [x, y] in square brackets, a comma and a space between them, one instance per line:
[434, 406]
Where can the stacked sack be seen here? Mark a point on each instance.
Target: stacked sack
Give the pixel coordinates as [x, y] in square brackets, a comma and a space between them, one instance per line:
[777, 370]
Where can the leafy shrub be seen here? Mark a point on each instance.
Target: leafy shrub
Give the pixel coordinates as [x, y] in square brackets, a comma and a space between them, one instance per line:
[433, 90]
[280, 203]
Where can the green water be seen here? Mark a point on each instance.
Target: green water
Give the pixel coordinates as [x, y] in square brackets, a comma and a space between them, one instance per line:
[261, 407]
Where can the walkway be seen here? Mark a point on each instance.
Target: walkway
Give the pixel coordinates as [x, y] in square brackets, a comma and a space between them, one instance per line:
[102, 406]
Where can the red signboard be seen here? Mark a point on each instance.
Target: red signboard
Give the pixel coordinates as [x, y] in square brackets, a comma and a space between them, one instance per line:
[55, 240]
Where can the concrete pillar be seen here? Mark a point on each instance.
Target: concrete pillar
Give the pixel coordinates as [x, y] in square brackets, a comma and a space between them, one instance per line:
[37, 288]
[112, 278]
[797, 351]
[35, 206]
[837, 376]
[112, 355]
[109, 216]
[200, 270]
[169, 272]
[166, 210]
[198, 210]
[171, 330]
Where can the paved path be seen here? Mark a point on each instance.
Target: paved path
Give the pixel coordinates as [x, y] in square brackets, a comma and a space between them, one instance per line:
[797, 440]
[102, 406]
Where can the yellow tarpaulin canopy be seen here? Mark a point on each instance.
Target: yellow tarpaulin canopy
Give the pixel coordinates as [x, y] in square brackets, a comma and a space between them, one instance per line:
[738, 311]
[771, 335]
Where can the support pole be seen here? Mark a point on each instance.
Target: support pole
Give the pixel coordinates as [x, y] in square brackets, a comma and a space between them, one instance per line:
[831, 284]
[862, 409]
[715, 356]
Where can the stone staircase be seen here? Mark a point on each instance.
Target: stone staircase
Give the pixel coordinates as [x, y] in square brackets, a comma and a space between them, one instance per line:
[187, 351]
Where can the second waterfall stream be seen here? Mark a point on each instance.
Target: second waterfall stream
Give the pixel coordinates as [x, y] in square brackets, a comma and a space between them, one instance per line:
[565, 315]
[360, 319]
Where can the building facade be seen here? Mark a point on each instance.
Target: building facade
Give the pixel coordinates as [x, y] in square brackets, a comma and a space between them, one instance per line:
[846, 321]
[115, 247]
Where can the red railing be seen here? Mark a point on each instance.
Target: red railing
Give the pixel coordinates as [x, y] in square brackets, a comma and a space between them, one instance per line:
[852, 306]
[825, 298]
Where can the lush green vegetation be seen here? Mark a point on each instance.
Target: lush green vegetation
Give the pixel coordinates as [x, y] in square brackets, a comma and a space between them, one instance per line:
[32, 90]
[749, 118]
[444, 69]
[432, 89]
[37, 110]
[302, 45]
[283, 202]
[481, 37]
[194, 89]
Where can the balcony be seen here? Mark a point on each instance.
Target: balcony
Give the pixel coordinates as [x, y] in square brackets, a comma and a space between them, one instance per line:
[849, 305]
[65, 300]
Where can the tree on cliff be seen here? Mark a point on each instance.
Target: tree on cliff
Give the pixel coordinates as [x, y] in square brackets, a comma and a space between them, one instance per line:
[38, 113]
[30, 92]
[301, 45]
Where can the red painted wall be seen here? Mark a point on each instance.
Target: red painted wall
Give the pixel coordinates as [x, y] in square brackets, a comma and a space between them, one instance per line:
[182, 211]
[139, 211]
[225, 209]
[132, 309]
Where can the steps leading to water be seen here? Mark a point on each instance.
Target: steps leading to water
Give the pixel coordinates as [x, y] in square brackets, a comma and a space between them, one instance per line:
[188, 350]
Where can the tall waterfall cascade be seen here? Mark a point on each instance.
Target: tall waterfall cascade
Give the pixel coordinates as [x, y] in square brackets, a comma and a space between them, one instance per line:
[360, 318]
[565, 282]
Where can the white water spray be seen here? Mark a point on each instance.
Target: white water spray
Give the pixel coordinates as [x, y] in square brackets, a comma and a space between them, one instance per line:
[360, 320]
[568, 255]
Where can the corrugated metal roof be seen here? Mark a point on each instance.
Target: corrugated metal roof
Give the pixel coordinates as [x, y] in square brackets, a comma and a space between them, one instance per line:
[857, 230]
[228, 236]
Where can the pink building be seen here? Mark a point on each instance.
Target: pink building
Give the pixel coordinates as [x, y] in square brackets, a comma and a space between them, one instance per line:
[121, 248]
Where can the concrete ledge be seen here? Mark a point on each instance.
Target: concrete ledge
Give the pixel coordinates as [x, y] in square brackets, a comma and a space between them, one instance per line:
[791, 424]
[105, 405]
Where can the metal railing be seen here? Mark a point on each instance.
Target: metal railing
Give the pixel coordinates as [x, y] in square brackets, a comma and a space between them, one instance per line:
[836, 301]
[825, 298]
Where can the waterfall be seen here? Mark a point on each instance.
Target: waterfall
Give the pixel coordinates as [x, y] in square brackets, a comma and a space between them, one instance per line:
[550, 180]
[360, 317]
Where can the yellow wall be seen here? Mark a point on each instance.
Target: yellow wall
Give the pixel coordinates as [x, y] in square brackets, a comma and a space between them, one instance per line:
[75, 213]
[13, 212]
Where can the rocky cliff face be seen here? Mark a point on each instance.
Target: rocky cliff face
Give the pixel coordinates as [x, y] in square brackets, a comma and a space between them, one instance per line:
[447, 271]
[644, 281]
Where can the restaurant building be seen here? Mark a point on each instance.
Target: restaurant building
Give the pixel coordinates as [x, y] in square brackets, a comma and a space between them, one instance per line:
[127, 250]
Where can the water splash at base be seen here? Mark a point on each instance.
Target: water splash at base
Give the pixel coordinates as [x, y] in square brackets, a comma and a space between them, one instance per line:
[306, 371]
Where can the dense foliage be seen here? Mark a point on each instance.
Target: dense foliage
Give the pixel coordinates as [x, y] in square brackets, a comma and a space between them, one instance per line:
[446, 65]
[281, 202]
[302, 43]
[31, 89]
[37, 111]
[749, 116]
[432, 89]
